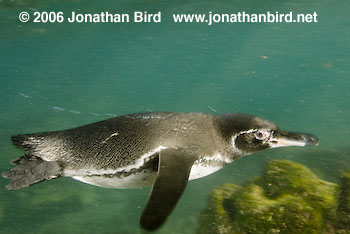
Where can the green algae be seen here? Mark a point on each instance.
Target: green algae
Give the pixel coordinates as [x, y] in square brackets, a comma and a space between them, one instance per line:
[343, 209]
[259, 214]
[216, 215]
[285, 177]
[287, 198]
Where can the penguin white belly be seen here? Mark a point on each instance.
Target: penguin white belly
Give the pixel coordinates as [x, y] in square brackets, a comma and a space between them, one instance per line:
[137, 180]
[208, 165]
[141, 179]
[113, 178]
[200, 170]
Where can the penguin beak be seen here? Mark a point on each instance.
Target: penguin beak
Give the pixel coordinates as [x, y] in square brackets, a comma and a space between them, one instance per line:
[285, 139]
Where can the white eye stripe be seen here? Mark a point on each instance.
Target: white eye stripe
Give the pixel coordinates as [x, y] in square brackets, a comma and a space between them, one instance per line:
[266, 136]
[244, 132]
[257, 133]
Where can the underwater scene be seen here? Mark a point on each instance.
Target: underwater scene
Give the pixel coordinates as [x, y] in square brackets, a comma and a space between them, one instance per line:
[63, 66]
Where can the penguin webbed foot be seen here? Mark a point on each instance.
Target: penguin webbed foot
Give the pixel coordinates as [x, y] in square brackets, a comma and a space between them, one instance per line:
[30, 170]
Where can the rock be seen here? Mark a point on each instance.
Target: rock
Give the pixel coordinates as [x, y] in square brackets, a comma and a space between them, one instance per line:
[288, 198]
[216, 219]
[286, 177]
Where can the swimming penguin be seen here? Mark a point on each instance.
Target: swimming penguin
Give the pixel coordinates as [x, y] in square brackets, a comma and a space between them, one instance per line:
[163, 149]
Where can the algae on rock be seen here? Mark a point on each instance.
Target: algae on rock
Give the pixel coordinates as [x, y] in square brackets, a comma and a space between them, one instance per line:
[217, 218]
[343, 209]
[288, 198]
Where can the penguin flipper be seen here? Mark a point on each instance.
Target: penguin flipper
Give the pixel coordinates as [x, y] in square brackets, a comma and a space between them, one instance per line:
[30, 170]
[174, 168]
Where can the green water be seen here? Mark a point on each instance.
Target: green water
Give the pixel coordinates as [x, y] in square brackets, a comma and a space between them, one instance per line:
[58, 76]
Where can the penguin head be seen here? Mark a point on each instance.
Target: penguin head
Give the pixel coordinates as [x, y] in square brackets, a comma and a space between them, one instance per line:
[248, 134]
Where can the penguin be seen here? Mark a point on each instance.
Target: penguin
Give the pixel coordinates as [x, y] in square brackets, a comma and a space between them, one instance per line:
[160, 149]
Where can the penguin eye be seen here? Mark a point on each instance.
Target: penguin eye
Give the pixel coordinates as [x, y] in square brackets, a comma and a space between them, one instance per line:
[261, 135]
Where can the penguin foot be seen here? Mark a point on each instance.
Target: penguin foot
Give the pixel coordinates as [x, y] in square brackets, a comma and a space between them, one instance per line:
[30, 170]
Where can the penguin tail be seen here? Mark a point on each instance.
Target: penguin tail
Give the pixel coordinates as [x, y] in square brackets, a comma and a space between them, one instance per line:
[27, 142]
[29, 170]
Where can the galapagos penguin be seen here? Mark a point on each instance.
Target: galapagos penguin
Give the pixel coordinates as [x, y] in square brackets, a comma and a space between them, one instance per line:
[163, 149]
